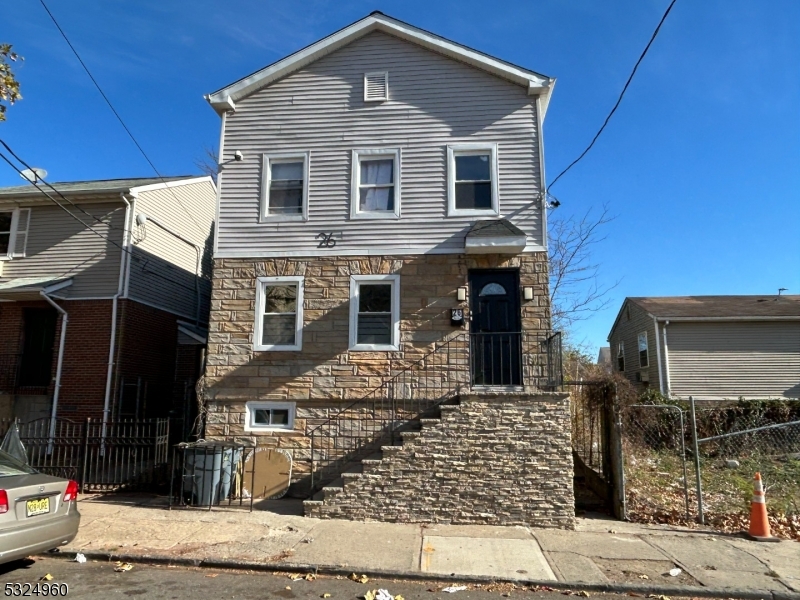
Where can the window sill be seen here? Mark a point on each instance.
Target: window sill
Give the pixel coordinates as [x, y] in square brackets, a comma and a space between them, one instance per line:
[375, 215]
[473, 212]
[375, 348]
[285, 431]
[296, 348]
[278, 218]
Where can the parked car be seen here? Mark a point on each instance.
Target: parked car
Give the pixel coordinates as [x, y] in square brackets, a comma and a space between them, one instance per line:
[38, 512]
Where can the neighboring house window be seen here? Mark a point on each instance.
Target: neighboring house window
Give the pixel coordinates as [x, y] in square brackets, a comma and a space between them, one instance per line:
[375, 184]
[279, 314]
[285, 187]
[376, 86]
[14, 226]
[264, 416]
[643, 356]
[621, 356]
[472, 180]
[374, 312]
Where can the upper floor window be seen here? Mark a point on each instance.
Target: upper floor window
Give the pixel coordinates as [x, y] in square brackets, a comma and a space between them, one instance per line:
[376, 86]
[472, 180]
[644, 359]
[375, 312]
[375, 184]
[14, 226]
[279, 314]
[285, 187]
[621, 356]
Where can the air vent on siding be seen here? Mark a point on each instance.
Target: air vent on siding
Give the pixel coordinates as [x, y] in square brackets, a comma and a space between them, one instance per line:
[376, 86]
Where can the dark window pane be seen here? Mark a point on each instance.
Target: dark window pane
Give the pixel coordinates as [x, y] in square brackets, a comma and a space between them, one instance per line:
[643, 358]
[287, 171]
[5, 221]
[286, 197]
[474, 195]
[375, 298]
[372, 199]
[280, 299]
[472, 168]
[261, 416]
[377, 172]
[4, 238]
[278, 330]
[280, 416]
[374, 329]
[493, 289]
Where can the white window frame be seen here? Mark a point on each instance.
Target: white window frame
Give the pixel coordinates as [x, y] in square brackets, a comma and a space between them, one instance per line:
[454, 150]
[646, 349]
[355, 183]
[12, 237]
[385, 86]
[355, 282]
[266, 180]
[250, 411]
[621, 354]
[261, 284]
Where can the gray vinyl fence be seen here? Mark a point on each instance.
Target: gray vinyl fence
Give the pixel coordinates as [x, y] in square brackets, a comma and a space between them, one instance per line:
[123, 454]
[695, 461]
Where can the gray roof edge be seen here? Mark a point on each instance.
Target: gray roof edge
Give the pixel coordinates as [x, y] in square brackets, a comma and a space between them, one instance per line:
[91, 186]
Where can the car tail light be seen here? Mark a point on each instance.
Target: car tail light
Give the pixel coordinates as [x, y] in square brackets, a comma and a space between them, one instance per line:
[72, 491]
[3, 502]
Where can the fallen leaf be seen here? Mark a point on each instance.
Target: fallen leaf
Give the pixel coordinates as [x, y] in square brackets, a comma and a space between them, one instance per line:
[295, 576]
[310, 577]
[370, 595]
[326, 595]
[399, 597]
[583, 593]
[121, 567]
[47, 577]
[288, 587]
[643, 577]
[212, 575]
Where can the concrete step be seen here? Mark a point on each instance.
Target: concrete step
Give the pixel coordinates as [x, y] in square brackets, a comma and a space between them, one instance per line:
[409, 435]
[308, 505]
[428, 423]
[333, 488]
[371, 463]
[351, 476]
[389, 450]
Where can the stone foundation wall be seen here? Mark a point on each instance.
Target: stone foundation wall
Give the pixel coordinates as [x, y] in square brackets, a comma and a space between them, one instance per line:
[495, 459]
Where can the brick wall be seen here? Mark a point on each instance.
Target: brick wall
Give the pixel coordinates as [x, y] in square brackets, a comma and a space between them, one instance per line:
[495, 459]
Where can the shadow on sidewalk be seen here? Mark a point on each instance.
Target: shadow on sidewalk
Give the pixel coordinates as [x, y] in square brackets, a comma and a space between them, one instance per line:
[283, 506]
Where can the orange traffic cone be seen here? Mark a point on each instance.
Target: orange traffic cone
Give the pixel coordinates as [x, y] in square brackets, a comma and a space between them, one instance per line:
[759, 523]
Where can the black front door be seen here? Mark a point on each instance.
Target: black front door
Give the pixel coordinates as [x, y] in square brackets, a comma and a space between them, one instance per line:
[495, 327]
[37, 346]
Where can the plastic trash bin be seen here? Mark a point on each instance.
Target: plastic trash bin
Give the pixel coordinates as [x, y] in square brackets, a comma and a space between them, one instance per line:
[209, 471]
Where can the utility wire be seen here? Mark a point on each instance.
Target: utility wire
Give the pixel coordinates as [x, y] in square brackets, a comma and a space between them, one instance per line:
[619, 100]
[116, 114]
[88, 214]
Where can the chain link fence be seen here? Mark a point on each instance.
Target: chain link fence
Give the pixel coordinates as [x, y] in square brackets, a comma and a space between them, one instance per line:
[672, 454]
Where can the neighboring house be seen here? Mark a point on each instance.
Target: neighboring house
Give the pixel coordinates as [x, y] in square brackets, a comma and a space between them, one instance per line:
[710, 347]
[381, 195]
[604, 358]
[104, 300]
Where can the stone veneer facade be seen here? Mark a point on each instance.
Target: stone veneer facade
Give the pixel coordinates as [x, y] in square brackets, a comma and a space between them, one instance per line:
[325, 376]
[494, 459]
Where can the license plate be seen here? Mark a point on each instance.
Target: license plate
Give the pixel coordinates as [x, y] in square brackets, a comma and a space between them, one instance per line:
[37, 506]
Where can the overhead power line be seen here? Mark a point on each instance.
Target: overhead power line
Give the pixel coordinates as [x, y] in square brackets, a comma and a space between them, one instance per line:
[119, 118]
[619, 100]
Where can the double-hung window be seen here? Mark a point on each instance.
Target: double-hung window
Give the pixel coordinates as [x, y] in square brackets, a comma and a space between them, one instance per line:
[266, 416]
[621, 357]
[279, 314]
[14, 225]
[472, 186]
[374, 312]
[285, 187]
[375, 184]
[644, 358]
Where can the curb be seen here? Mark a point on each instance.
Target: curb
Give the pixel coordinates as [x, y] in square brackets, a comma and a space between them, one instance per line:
[619, 588]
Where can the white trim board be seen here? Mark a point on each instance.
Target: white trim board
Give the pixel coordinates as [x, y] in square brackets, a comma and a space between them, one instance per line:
[172, 184]
[390, 251]
[536, 84]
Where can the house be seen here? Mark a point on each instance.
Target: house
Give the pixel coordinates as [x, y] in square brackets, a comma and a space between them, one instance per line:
[710, 347]
[103, 297]
[381, 266]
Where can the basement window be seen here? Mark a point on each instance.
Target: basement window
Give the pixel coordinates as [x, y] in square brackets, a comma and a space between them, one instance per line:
[267, 416]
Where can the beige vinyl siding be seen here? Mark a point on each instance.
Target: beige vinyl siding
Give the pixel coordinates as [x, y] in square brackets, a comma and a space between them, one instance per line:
[163, 267]
[59, 245]
[628, 331]
[733, 359]
[433, 101]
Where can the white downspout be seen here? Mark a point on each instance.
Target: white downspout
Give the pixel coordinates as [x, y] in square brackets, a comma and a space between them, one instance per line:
[666, 359]
[59, 364]
[114, 304]
[658, 358]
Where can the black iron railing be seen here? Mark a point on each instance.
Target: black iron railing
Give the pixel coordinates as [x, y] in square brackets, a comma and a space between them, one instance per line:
[114, 455]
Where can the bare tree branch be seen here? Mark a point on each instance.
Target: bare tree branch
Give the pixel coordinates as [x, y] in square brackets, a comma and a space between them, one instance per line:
[575, 292]
[208, 163]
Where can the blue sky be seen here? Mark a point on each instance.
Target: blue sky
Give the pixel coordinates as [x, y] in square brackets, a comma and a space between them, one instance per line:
[700, 165]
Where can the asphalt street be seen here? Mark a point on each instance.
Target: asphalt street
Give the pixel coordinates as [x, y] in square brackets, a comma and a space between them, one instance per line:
[98, 580]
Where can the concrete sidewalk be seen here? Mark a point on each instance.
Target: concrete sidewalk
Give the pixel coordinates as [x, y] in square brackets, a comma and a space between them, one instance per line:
[600, 554]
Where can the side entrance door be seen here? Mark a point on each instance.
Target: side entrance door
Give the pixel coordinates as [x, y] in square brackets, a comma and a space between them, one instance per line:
[37, 346]
[495, 333]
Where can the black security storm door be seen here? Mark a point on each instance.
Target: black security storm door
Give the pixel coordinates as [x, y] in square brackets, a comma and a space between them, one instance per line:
[495, 327]
[37, 347]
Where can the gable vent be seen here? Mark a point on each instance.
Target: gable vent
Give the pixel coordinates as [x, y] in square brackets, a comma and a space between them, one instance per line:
[376, 86]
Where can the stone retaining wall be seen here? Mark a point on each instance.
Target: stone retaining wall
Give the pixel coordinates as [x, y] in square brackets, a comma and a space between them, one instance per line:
[495, 459]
